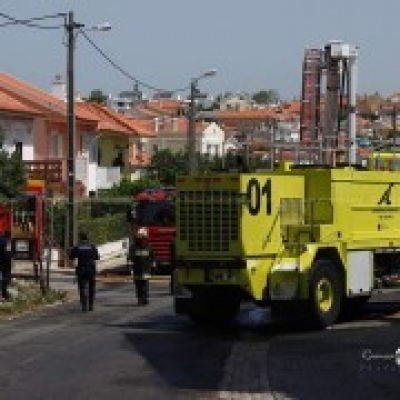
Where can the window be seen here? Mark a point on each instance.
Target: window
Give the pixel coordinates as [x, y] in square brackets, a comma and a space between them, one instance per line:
[18, 148]
[119, 160]
[99, 155]
[155, 213]
[93, 152]
[56, 145]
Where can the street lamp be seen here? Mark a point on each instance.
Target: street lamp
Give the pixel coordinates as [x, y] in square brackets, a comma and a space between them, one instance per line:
[194, 92]
[71, 26]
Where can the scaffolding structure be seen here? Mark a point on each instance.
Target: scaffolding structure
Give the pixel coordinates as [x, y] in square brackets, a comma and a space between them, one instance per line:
[328, 108]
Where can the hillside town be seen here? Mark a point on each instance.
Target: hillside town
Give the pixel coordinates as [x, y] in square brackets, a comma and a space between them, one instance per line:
[119, 137]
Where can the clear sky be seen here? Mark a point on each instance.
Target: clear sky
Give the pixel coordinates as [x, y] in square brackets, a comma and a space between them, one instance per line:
[253, 44]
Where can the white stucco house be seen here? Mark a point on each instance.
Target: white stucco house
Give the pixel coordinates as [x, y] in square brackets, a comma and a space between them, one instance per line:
[212, 140]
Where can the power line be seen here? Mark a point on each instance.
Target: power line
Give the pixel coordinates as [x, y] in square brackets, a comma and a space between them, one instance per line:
[28, 22]
[125, 73]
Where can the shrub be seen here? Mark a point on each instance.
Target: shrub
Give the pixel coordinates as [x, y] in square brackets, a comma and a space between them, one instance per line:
[105, 229]
[102, 221]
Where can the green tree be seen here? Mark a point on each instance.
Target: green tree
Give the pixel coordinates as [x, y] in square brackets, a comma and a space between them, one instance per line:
[127, 188]
[167, 165]
[97, 96]
[12, 175]
[266, 96]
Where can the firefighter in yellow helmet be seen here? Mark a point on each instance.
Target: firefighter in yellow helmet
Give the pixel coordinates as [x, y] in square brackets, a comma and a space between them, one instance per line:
[141, 256]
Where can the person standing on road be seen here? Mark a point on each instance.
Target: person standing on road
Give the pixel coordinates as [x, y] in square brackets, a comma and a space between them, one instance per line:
[87, 255]
[6, 256]
[141, 256]
[172, 265]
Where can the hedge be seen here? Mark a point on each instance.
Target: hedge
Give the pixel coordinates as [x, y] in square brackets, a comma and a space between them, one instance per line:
[102, 223]
[105, 229]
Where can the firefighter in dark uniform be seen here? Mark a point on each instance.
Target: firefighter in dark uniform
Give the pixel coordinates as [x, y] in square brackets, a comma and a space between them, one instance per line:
[6, 257]
[87, 255]
[172, 250]
[141, 256]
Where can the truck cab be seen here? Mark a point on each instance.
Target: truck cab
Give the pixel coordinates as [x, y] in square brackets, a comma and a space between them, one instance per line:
[154, 209]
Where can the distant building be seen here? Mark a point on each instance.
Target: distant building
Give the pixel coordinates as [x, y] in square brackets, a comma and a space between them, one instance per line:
[236, 102]
[160, 95]
[126, 100]
[212, 140]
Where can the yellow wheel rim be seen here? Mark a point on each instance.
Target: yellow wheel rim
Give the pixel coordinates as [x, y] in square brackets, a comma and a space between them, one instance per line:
[324, 295]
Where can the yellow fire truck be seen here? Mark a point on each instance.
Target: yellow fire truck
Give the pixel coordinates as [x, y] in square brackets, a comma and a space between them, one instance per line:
[314, 238]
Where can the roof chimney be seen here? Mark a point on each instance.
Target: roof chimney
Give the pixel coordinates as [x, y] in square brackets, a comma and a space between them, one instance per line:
[59, 88]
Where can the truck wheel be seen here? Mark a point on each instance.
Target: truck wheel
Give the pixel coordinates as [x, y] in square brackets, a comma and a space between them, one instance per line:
[198, 311]
[211, 309]
[287, 311]
[182, 305]
[326, 291]
[226, 312]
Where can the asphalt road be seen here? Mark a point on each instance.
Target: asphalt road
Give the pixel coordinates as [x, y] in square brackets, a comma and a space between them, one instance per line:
[122, 351]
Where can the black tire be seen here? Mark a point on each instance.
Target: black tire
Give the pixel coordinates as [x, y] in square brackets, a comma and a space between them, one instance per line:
[353, 307]
[326, 292]
[292, 312]
[183, 305]
[212, 309]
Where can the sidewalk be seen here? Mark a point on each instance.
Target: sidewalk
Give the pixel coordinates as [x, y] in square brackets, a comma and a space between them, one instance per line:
[109, 270]
[63, 278]
[116, 265]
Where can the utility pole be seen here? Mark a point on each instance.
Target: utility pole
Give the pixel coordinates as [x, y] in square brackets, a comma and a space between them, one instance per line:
[70, 27]
[192, 129]
[394, 122]
[191, 136]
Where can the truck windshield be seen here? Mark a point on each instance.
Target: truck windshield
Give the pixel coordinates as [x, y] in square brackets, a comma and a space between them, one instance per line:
[155, 213]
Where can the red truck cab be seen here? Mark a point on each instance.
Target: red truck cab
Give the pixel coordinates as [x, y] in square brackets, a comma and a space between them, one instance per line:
[154, 210]
[24, 218]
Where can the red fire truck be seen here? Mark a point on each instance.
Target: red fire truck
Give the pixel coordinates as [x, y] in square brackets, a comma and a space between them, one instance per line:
[154, 209]
[23, 217]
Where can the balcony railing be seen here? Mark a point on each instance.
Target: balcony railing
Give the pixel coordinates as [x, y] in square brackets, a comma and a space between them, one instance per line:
[46, 170]
[54, 171]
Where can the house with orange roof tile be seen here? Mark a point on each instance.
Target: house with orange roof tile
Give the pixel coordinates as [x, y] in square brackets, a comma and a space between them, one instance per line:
[167, 118]
[246, 121]
[169, 107]
[110, 153]
[172, 134]
[34, 123]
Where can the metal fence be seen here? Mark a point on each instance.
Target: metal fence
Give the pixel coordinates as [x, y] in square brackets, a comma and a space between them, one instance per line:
[45, 219]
